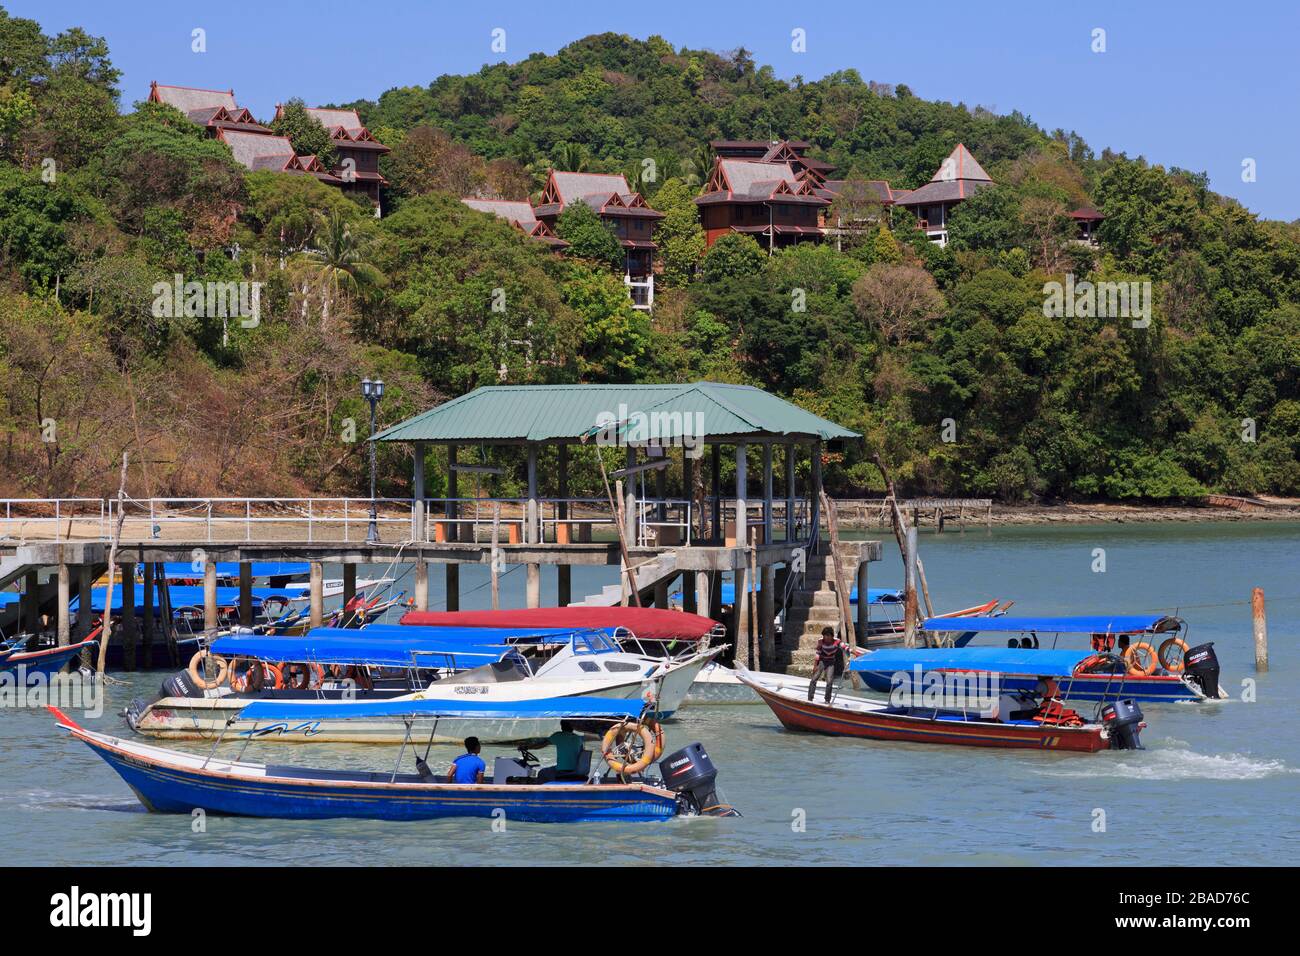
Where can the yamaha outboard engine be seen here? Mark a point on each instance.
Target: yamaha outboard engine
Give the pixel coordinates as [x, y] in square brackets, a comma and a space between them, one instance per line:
[1201, 664]
[1123, 722]
[179, 685]
[692, 775]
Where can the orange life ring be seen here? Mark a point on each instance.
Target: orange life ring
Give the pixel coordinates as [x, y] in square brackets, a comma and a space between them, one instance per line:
[360, 675]
[1174, 667]
[197, 675]
[246, 673]
[275, 672]
[614, 738]
[1140, 668]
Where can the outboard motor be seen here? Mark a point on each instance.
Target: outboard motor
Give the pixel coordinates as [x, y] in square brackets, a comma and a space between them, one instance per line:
[1201, 664]
[1123, 722]
[692, 775]
[179, 685]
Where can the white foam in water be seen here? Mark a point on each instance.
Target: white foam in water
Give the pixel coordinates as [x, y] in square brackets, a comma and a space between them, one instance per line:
[1176, 765]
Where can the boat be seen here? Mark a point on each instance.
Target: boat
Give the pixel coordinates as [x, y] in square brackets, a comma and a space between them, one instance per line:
[1006, 722]
[1123, 660]
[646, 623]
[406, 666]
[43, 662]
[169, 781]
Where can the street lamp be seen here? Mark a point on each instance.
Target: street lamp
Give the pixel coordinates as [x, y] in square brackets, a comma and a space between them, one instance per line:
[372, 392]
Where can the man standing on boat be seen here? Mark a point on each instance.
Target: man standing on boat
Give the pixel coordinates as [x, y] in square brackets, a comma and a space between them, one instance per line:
[469, 766]
[830, 662]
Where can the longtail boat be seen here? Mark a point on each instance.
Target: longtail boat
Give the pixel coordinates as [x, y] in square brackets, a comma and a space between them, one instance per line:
[1010, 722]
[44, 661]
[169, 781]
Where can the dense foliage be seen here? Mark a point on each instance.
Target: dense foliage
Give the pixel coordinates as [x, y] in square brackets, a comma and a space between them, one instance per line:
[946, 359]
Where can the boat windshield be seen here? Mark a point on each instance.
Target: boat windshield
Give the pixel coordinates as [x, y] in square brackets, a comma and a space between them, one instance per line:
[594, 642]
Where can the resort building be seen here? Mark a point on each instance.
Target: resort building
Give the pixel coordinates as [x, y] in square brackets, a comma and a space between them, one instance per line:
[214, 110]
[1086, 220]
[356, 150]
[519, 213]
[770, 201]
[627, 214]
[958, 178]
[257, 151]
[772, 151]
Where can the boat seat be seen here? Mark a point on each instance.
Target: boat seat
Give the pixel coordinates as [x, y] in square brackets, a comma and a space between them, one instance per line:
[579, 774]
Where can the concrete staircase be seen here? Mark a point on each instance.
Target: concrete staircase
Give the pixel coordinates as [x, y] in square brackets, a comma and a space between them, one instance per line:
[647, 576]
[814, 604]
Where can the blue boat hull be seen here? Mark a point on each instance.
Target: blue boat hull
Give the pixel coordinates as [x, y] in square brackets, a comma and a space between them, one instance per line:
[45, 663]
[171, 789]
[1093, 688]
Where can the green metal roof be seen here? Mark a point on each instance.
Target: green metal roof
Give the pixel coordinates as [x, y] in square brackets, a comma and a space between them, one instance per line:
[557, 413]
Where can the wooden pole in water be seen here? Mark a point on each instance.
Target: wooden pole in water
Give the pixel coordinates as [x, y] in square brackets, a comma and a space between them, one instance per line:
[909, 594]
[900, 524]
[128, 615]
[316, 585]
[1261, 629]
[107, 631]
[209, 597]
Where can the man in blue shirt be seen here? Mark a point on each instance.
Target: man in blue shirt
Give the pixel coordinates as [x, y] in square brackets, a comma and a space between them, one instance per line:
[469, 766]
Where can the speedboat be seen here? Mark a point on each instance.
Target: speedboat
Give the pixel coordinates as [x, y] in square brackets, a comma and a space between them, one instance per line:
[170, 781]
[354, 667]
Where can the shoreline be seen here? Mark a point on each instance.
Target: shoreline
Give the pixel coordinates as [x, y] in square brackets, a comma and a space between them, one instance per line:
[1097, 513]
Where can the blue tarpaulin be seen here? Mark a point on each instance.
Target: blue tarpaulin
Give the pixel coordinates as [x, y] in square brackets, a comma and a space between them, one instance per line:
[328, 645]
[1002, 660]
[1086, 624]
[479, 635]
[556, 708]
[230, 569]
[878, 596]
[181, 595]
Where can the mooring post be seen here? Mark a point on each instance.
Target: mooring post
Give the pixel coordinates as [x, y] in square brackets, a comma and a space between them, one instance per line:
[909, 597]
[146, 614]
[65, 598]
[1261, 629]
[84, 583]
[702, 580]
[349, 584]
[31, 602]
[864, 603]
[421, 584]
[316, 585]
[245, 594]
[209, 597]
[767, 618]
[741, 615]
[128, 615]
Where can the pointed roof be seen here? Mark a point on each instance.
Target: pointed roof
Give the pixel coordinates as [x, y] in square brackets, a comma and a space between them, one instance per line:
[606, 193]
[958, 177]
[565, 413]
[259, 150]
[187, 99]
[748, 180]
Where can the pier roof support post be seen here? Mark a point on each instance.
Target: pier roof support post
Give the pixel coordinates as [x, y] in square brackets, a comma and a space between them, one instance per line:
[790, 452]
[245, 594]
[452, 569]
[688, 493]
[65, 598]
[564, 532]
[742, 505]
[815, 495]
[128, 615]
[417, 495]
[767, 618]
[146, 613]
[209, 596]
[316, 585]
[629, 504]
[532, 533]
[767, 492]
[715, 466]
[84, 582]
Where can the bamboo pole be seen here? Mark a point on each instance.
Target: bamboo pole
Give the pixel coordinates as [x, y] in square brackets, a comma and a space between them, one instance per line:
[1260, 625]
[846, 619]
[909, 592]
[900, 524]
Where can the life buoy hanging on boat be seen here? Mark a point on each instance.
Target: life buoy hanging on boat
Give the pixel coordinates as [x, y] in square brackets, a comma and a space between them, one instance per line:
[618, 740]
[1141, 659]
[1167, 660]
[301, 676]
[275, 673]
[198, 670]
[246, 673]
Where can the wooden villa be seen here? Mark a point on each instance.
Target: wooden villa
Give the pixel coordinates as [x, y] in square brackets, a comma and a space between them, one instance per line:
[214, 110]
[1086, 220]
[258, 151]
[519, 213]
[771, 201]
[958, 178]
[356, 150]
[626, 212]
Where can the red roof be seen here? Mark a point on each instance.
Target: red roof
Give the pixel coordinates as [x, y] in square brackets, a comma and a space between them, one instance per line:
[647, 623]
[1088, 213]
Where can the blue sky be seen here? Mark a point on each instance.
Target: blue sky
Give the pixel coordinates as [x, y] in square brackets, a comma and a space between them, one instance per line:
[1192, 84]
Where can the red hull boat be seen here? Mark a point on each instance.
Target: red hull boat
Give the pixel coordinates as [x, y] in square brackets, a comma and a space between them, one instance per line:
[854, 717]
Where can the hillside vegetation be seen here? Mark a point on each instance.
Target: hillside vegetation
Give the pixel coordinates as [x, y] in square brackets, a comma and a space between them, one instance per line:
[943, 358]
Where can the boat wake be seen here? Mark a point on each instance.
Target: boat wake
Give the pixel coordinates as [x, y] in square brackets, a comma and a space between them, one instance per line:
[1178, 765]
[46, 800]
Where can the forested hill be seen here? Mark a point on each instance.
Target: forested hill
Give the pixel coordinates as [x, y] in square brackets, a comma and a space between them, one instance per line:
[947, 360]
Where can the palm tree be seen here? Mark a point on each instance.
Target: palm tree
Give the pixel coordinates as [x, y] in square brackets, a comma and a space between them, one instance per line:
[340, 260]
[571, 157]
[700, 163]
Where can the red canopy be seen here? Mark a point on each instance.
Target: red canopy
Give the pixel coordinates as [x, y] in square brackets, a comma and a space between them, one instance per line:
[647, 623]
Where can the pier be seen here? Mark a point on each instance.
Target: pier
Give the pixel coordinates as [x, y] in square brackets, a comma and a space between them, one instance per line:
[673, 526]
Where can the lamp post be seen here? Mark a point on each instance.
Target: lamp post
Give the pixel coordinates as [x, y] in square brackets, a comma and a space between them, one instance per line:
[372, 392]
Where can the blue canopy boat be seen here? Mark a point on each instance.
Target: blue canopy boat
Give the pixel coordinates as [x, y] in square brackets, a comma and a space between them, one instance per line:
[169, 781]
[1138, 671]
[44, 662]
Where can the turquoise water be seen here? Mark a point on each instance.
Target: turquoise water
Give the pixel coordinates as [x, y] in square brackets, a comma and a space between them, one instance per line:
[1218, 783]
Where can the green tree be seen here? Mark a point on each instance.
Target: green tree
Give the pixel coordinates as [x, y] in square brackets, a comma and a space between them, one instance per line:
[307, 135]
[679, 235]
[588, 235]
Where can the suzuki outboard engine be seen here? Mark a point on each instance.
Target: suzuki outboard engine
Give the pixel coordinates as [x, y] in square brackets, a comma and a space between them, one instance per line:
[1201, 664]
[692, 775]
[1123, 722]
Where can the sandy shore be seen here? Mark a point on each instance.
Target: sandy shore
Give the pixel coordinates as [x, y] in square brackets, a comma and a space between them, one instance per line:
[1273, 509]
